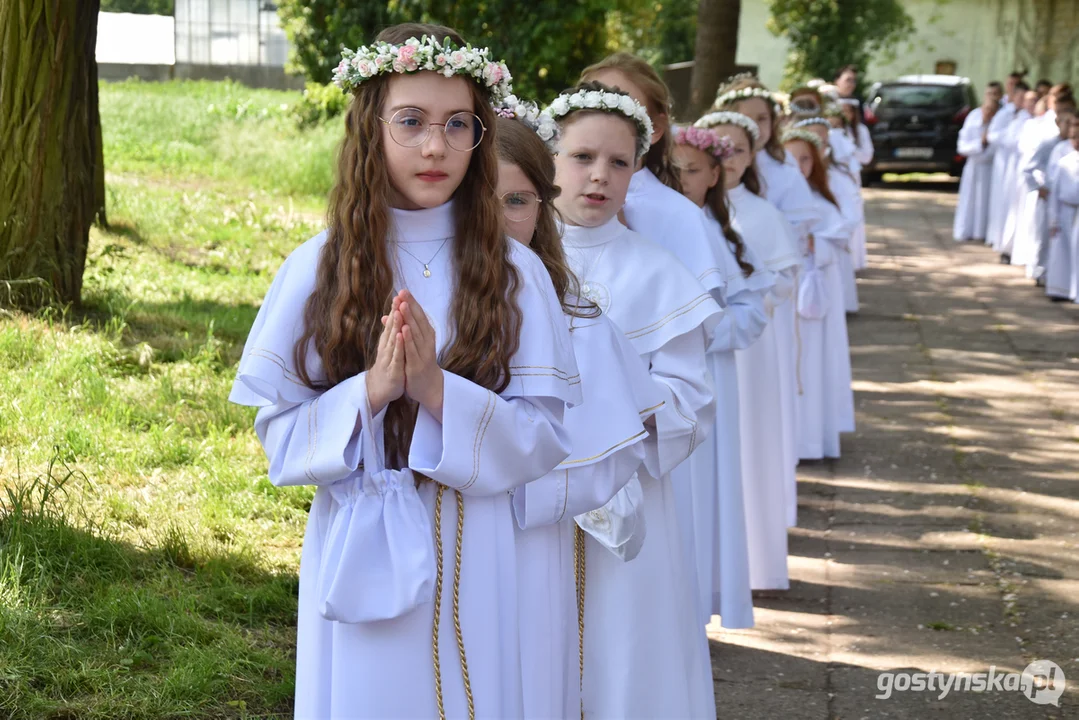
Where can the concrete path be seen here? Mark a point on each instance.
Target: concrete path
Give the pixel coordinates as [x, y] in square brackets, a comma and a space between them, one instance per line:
[947, 536]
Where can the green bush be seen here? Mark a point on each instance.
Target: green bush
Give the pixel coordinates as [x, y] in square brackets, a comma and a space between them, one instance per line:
[319, 104]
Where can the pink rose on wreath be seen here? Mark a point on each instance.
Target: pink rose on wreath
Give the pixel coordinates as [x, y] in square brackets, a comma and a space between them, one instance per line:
[492, 73]
[440, 60]
[457, 58]
[404, 55]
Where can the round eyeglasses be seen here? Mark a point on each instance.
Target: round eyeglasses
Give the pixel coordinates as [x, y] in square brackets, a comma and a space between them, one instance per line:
[520, 206]
[409, 127]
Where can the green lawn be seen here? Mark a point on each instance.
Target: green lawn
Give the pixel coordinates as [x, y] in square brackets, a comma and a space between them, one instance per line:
[148, 569]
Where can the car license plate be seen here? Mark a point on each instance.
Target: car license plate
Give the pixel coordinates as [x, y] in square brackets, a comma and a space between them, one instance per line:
[919, 153]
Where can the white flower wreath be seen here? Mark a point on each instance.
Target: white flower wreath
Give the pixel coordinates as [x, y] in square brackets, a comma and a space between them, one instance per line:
[608, 102]
[732, 96]
[380, 58]
[529, 113]
[806, 135]
[728, 117]
[810, 122]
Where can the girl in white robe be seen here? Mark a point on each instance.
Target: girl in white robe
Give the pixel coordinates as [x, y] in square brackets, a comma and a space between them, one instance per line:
[848, 194]
[784, 186]
[713, 509]
[644, 652]
[408, 582]
[826, 401]
[1062, 278]
[607, 433]
[767, 474]
[972, 212]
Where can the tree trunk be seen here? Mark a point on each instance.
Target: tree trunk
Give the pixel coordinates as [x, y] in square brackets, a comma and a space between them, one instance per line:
[52, 173]
[716, 50]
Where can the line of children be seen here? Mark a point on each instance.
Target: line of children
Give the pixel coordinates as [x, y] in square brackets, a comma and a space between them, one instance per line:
[551, 374]
[1018, 182]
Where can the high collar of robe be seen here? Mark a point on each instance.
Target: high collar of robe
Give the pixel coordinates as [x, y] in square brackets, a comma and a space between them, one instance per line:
[411, 226]
[737, 192]
[581, 237]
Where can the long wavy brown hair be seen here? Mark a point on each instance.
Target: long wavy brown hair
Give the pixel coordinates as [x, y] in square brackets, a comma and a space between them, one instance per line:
[658, 96]
[818, 176]
[519, 145]
[716, 199]
[774, 146]
[355, 279]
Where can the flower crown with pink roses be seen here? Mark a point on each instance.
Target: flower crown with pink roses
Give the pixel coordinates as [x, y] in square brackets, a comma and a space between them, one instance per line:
[706, 140]
[427, 53]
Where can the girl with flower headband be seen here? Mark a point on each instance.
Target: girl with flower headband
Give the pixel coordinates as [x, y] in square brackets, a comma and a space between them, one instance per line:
[711, 498]
[767, 370]
[644, 652]
[847, 189]
[783, 185]
[826, 401]
[654, 205]
[607, 434]
[414, 366]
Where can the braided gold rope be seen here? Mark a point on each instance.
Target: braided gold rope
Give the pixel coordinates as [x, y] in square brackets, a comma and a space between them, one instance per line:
[457, 605]
[438, 600]
[579, 576]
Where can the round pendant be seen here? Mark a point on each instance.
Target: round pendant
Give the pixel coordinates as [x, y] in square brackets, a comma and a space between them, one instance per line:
[426, 273]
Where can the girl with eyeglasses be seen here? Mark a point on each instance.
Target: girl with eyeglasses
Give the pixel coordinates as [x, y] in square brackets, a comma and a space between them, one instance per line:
[598, 482]
[415, 367]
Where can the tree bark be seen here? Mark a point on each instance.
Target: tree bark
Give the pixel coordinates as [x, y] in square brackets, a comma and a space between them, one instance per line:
[52, 172]
[715, 52]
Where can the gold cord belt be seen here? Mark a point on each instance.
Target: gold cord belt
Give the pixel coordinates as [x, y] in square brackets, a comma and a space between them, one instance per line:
[456, 603]
[579, 575]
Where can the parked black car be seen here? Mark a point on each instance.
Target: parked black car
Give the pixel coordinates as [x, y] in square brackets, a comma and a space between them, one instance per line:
[914, 122]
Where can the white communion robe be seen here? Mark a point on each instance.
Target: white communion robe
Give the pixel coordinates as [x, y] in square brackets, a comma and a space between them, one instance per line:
[786, 188]
[863, 155]
[1012, 196]
[826, 406]
[369, 572]
[1038, 171]
[645, 654]
[1002, 154]
[709, 486]
[972, 213]
[768, 455]
[1030, 219]
[608, 435]
[1062, 267]
[849, 195]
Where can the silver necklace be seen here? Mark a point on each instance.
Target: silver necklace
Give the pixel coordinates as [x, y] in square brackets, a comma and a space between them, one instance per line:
[426, 268]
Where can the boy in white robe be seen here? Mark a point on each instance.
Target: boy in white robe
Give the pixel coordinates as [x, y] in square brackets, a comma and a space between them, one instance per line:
[972, 213]
[997, 135]
[1036, 173]
[1062, 268]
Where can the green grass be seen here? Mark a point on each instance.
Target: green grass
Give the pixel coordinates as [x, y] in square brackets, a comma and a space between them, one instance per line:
[148, 569]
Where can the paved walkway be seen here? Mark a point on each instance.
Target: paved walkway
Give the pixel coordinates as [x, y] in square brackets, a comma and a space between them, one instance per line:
[947, 537]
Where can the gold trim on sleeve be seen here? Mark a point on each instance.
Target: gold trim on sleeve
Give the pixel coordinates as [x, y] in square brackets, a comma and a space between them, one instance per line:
[612, 448]
[651, 328]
